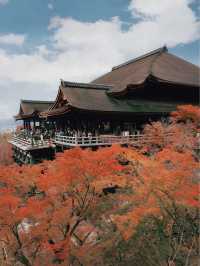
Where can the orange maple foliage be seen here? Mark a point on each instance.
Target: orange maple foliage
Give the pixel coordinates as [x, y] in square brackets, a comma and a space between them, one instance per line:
[186, 113]
[169, 179]
[70, 210]
[180, 132]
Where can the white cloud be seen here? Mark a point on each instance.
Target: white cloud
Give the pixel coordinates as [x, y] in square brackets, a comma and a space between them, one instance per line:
[157, 7]
[11, 92]
[81, 51]
[50, 6]
[172, 21]
[12, 39]
[3, 2]
[152, 7]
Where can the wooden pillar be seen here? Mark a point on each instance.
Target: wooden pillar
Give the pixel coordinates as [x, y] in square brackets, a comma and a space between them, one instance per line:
[34, 124]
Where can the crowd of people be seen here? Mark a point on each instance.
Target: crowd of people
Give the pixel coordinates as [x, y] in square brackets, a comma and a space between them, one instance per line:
[36, 135]
[39, 135]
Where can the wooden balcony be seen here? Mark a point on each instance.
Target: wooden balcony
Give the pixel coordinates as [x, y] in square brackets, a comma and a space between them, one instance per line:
[102, 140]
[28, 144]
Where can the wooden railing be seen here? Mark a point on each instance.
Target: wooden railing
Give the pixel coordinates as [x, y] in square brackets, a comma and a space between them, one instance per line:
[75, 141]
[102, 140]
[29, 143]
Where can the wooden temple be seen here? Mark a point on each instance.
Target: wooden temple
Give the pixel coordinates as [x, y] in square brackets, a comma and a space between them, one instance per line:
[30, 110]
[113, 108]
[28, 145]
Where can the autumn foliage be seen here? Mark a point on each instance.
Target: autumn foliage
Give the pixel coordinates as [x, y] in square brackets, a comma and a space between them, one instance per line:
[115, 206]
[179, 132]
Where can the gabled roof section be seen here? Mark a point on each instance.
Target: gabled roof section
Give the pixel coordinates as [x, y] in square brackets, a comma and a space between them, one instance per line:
[160, 64]
[72, 94]
[85, 85]
[157, 51]
[30, 109]
[84, 97]
[172, 69]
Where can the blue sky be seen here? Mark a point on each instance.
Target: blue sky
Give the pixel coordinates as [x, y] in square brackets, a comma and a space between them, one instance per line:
[32, 17]
[42, 41]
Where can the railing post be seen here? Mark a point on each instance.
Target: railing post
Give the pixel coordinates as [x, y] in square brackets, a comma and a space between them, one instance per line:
[76, 140]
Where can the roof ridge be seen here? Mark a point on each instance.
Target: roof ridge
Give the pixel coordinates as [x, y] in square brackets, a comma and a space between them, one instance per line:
[85, 85]
[159, 51]
[35, 101]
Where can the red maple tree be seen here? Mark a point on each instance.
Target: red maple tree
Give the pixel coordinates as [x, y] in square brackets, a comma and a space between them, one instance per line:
[75, 209]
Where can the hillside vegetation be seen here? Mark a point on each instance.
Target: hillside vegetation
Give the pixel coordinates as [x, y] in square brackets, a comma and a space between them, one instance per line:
[5, 150]
[117, 206]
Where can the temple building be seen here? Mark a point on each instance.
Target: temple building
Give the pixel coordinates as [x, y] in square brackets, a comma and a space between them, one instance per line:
[113, 108]
[29, 112]
[29, 144]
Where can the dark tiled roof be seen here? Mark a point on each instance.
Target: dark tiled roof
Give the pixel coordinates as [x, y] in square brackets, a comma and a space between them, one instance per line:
[82, 98]
[98, 95]
[172, 69]
[85, 85]
[29, 108]
[160, 64]
[157, 51]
